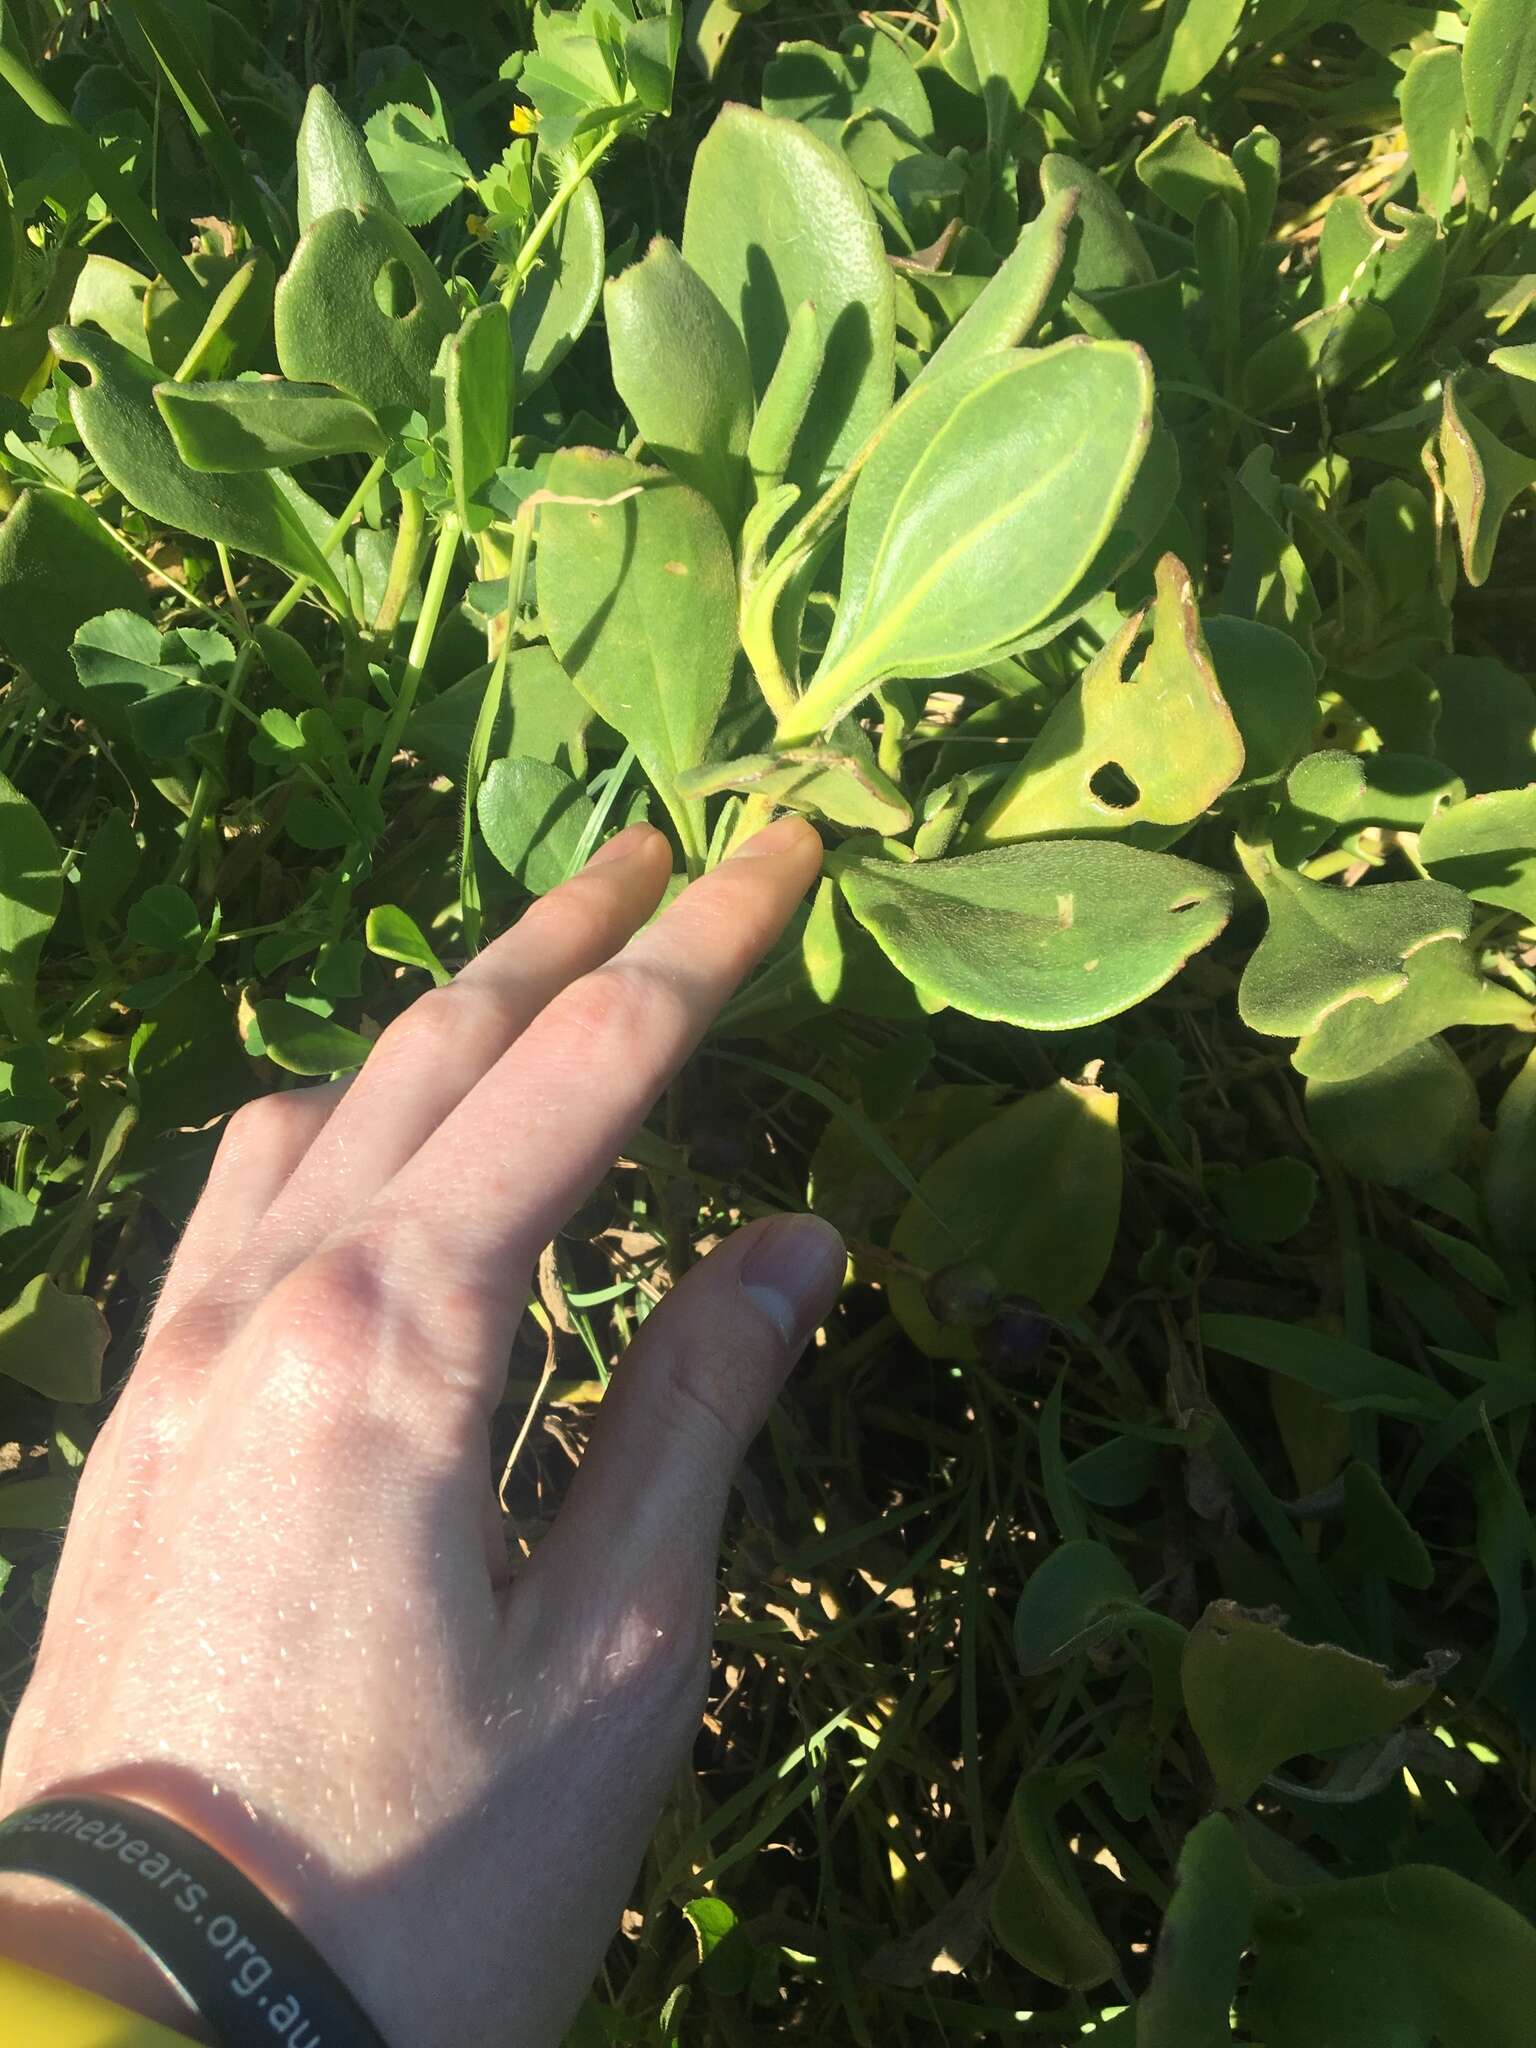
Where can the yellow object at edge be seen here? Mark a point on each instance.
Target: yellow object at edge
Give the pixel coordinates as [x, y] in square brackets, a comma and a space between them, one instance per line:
[44, 2012]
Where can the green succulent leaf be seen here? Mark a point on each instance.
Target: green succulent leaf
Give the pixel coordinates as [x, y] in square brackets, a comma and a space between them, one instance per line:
[977, 513]
[264, 423]
[1205, 1931]
[1434, 122]
[637, 592]
[477, 408]
[659, 313]
[31, 893]
[776, 218]
[361, 307]
[1049, 935]
[1257, 1698]
[1400, 1123]
[555, 301]
[1360, 975]
[335, 168]
[260, 512]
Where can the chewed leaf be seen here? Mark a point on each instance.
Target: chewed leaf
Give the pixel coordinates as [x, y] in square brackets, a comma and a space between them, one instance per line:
[977, 513]
[1256, 1697]
[1361, 975]
[1122, 754]
[1049, 934]
[1487, 848]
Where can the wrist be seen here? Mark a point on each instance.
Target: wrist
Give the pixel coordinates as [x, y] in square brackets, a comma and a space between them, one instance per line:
[64, 1935]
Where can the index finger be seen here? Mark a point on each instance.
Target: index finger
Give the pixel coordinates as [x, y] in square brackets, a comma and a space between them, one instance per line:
[479, 1200]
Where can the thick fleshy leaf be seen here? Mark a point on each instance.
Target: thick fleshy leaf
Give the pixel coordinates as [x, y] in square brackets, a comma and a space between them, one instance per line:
[1434, 122]
[776, 218]
[1402, 1122]
[1208, 1925]
[533, 817]
[264, 423]
[1325, 349]
[141, 687]
[1013, 298]
[1201, 37]
[1331, 792]
[560, 294]
[1032, 1197]
[1509, 1171]
[362, 308]
[977, 513]
[1268, 682]
[335, 169]
[637, 591]
[58, 567]
[1415, 1956]
[31, 892]
[823, 89]
[1256, 1698]
[1184, 171]
[1483, 478]
[53, 1342]
[261, 512]
[1360, 975]
[1399, 268]
[1498, 74]
[1049, 934]
[659, 314]
[1486, 847]
[1120, 753]
[477, 407]
[1039, 1913]
[1110, 252]
[1002, 47]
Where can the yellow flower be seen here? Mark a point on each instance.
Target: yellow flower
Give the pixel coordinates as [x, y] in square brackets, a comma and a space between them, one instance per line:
[524, 121]
[475, 223]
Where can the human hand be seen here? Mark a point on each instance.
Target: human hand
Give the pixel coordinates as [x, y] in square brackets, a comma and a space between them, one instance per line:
[283, 1613]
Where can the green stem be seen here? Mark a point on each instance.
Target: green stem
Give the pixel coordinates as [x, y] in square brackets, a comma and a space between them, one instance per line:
[544, 226]
[420, 648]
[136, 219]
[485, 730]
[403, 563]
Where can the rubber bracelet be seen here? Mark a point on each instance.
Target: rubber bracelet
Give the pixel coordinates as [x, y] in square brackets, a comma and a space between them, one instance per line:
[240, 1963]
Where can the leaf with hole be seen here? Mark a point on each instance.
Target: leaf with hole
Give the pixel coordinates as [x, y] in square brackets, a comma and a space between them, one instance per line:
[1130, 755]
[361, 307]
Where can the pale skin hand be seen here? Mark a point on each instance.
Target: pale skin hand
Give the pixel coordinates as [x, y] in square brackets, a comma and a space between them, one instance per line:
[283, 1612]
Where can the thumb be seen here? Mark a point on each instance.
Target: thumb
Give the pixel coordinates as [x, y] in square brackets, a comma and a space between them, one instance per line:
[688, 1398]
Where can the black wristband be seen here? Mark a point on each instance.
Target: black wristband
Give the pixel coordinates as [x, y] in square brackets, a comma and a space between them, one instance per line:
[241, 1964]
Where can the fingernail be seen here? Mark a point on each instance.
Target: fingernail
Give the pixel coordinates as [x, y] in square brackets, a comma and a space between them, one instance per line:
[775, 838]
[793, 1274]
[623, 844]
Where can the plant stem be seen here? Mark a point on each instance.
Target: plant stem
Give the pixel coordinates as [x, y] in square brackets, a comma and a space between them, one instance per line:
[402, 564]
[544, 226]
[420, 648]
[135, 218]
